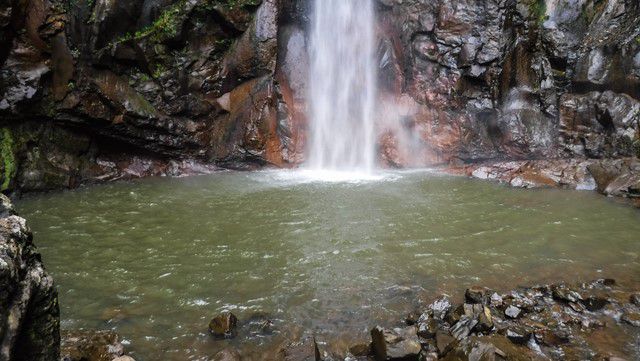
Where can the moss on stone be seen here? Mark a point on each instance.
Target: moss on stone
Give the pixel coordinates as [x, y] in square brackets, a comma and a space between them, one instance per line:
[8, 158]
[538, 11]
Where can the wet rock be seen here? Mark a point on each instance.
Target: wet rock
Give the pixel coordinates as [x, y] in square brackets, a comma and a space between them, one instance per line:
[595, 303]
[518, 335]
[29, 315]
[127, 358]
[227, 354]
[223, 325]
[563, 293]
[632, 318]
[477, 350]
[304, 350]
[440, 307]
[396, 344]
[512, 312]
[635, 299]
[444, 342]
[463, 327]
[427, 326]
[361, 349]
[90, 346]
[554, 337]
[475, 295]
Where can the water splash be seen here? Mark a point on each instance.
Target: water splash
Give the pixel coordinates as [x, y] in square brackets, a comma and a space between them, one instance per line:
[342, 87]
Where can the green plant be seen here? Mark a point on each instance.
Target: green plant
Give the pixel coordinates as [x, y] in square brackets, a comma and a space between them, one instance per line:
[158, 71]
[8, 158]
[538, 10]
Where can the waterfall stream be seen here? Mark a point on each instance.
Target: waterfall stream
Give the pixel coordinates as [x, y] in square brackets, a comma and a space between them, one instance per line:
[342, 86]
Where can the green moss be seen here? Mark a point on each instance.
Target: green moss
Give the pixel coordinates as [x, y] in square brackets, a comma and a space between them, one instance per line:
[538, 10]
[165, 26]
[8, 158]
[158, 71]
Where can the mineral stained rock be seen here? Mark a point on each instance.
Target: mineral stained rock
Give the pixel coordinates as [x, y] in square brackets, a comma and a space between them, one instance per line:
[112, 89]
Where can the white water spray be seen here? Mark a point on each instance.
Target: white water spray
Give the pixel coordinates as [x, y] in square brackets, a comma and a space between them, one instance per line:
[342, 86]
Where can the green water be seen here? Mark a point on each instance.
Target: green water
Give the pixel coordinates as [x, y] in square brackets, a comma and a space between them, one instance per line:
[156, 259]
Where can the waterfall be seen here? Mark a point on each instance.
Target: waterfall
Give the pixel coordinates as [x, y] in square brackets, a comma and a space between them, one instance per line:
[342, 86]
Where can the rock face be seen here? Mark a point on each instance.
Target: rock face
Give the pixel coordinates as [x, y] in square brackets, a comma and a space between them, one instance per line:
[29, 315]
[110, 89]
[515, 79]
[100, 90]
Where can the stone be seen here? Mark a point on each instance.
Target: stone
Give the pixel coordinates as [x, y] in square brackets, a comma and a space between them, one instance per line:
[512, 312]
[475, 295]
[223, 325]
[396, 344]
[444, 342]
[563, 293]
[635, 299]
[595, 303]
[427, 326]
[632, 318]
[485, 320]
[518, 335]
[92, 345]
[360, 349]
[463, 327]
[440, 307]
[304, 350]
[228, 354]
[129, 358]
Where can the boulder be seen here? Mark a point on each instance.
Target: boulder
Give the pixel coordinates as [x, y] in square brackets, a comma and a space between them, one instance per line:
[223, 325]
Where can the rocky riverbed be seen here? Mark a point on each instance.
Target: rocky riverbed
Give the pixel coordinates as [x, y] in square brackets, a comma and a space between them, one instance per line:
[595, 320]
[588, 321]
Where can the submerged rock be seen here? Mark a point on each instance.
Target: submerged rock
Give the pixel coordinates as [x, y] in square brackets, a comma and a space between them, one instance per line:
[227, 355]
[91, 345]
[223, 325]
[304, 350]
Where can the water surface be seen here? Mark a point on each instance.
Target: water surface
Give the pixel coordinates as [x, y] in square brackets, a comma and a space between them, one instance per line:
[156, 259]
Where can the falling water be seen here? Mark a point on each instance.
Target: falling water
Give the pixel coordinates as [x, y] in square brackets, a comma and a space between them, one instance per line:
[342, 86]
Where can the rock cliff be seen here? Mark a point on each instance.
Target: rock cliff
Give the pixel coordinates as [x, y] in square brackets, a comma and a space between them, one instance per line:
[95, 90]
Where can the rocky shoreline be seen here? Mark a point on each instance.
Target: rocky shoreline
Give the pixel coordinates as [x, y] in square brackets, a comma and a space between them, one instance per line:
[619, 178]
[596, 320]
[587, 321]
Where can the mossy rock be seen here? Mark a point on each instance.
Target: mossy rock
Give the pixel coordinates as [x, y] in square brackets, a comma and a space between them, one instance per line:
[8, 165]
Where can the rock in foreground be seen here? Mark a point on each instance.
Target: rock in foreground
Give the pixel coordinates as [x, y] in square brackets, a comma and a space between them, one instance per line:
[557, 322]
[29, 314]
